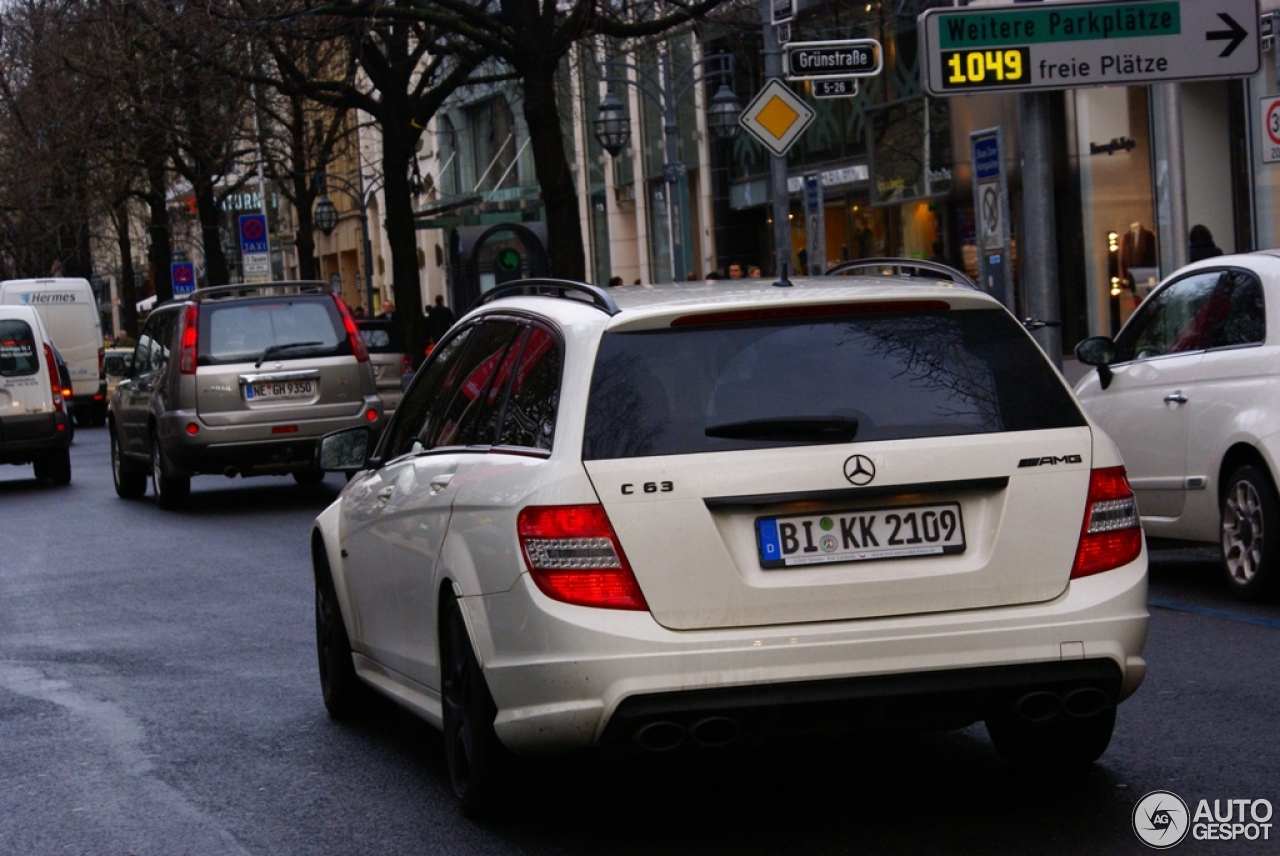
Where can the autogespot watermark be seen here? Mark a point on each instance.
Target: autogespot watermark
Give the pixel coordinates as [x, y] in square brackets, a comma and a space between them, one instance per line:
[1162, 819]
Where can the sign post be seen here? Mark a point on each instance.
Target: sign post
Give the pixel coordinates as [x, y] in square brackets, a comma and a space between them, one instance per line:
[1069, 45]
[815, 224]
[991, 204]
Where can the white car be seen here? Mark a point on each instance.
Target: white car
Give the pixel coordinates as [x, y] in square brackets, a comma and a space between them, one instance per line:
[1190, 392]
[694, 514]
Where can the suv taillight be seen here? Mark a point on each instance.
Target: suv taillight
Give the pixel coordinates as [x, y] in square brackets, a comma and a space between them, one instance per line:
[55, 382]
[1111, 535]
[190, 340]
[353, 332]
[574, 556]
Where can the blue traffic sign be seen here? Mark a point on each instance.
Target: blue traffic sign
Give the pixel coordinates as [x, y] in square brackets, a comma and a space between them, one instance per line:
[253, 234]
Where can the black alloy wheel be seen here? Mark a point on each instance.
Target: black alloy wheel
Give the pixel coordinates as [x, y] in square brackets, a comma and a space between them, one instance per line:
[130, 479]
[171, 491]
[344, 693]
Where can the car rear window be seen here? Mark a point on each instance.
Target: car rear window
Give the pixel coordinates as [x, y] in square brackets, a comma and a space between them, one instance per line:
[382, 338]
[889, 376]
[18, 355]
[293, 329]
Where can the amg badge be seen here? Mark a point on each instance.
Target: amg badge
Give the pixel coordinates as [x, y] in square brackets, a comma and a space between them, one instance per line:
[1050, 461]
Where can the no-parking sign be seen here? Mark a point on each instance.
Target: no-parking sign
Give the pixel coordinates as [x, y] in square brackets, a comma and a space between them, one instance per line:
[183, 277]
[1270, 115]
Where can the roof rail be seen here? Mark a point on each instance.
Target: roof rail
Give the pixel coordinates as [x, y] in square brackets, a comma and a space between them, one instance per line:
[243, 289]
[905, 267]
[598, 297]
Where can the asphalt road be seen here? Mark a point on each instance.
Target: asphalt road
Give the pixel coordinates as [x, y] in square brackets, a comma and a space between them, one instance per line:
[158, 695]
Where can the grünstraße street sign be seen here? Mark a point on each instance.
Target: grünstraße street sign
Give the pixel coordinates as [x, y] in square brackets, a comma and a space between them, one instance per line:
[832, 60]
[1070, 45]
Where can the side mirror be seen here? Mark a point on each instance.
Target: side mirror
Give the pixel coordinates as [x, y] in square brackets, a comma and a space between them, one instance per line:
[1098, 351]
[345, 451]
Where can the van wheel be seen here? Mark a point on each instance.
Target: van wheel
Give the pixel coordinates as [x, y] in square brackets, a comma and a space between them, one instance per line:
[171, 491]
[1250, 533]
[129, 478]
[98, 416]
[54, 467]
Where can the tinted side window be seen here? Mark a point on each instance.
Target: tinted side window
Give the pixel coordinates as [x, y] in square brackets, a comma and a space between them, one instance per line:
[529, 419]
[410, 421]
[1176, 319]
[18, 355]
[896, 376]
[152, 350]
[1244, 321]
[468, 393]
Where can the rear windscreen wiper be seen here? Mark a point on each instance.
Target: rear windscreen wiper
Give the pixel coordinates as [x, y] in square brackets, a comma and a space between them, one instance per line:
[835, 428]
[275, 349]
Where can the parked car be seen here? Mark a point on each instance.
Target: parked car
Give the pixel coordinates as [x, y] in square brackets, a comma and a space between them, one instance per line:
[1190, 391]
[35, 422]
[115, 363]
[688, 515]
[238, 380]
[389, 358]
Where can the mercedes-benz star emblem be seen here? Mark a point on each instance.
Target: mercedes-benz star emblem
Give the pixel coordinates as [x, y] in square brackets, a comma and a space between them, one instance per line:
[859, 470]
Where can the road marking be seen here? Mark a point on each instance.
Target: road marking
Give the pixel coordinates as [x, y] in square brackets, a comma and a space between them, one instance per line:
[1215, 613]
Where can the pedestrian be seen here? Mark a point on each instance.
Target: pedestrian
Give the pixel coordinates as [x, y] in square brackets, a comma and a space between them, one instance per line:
[439, 319]
[1202, 245]
[358, 312]
[939, 253]
[388, 311]
[615, 281]
[735, 270]
[753, 272]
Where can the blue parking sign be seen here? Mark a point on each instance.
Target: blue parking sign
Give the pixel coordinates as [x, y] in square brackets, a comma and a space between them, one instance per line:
[253, 234]
[183, 277]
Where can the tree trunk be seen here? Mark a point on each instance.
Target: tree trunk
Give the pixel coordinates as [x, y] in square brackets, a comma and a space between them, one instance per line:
[126, 287]
[559, 193]
[402, 237]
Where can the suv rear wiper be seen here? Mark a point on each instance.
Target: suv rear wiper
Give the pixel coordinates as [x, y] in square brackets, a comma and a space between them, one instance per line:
[275, 349]
[788, 428]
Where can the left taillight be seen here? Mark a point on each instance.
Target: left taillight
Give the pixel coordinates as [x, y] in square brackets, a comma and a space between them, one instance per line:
[574, 556]
[190, 340]
[55, 382]
[1111, 535]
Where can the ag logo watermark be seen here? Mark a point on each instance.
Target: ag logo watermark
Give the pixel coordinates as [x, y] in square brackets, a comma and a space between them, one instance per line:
[1162, 819]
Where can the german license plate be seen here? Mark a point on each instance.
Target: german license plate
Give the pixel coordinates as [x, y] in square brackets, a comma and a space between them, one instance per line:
[859, 536]
[279, 390]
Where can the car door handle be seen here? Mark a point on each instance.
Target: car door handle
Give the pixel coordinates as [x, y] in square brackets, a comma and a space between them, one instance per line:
[1175, 398]
[384, 495]
[440, 482]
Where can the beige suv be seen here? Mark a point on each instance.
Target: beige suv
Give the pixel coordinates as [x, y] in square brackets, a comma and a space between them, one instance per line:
[238, 380]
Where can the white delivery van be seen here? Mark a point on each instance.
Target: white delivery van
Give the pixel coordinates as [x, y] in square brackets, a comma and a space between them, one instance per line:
[69, 311]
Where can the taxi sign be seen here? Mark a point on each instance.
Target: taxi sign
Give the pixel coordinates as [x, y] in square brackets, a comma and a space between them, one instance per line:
[776, 117]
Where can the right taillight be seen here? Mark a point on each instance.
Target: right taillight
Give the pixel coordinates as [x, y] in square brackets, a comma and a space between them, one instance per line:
[1111, 535]
[55, 382]
[190, 340]
[574, 556]
[358, 346]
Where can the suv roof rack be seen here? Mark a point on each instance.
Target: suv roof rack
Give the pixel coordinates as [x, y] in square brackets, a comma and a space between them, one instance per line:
[906, 267]
[254, 289]
[566, 288]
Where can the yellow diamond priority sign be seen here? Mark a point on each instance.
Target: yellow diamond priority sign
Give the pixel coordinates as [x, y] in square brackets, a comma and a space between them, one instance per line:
[776, 117]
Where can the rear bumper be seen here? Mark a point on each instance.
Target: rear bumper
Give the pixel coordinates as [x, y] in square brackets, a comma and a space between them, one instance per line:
[24, 437]
[252, 449]
[568, 677]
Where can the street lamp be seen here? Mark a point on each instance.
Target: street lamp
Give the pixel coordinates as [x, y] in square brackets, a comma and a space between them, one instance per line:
[613, 129]
[326, 218]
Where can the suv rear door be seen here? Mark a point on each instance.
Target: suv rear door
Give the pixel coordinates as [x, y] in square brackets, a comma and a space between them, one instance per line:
[905, 459]
[131, 406]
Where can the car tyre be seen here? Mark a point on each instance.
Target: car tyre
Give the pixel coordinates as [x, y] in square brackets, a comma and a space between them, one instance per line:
[477, 760]
[54, 467]
[1063, 742]
[344, 693]
[310, 476]
[171, 491]
[1250, 533]
[129, 478]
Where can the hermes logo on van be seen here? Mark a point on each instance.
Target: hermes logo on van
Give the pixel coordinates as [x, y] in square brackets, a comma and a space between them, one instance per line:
[64, 297]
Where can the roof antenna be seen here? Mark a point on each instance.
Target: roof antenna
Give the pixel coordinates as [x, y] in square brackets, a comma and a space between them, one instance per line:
[783, 281]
